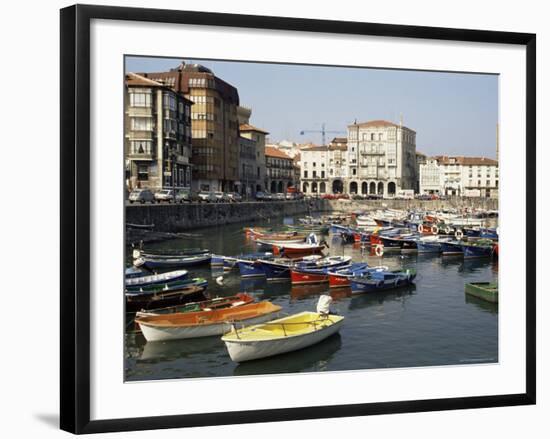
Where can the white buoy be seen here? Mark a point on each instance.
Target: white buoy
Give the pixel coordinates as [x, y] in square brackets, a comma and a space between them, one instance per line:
[219, 280]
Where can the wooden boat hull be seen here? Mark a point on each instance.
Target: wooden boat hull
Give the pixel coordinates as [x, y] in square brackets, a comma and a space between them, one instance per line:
[298, 277]
[250, 268]
[138, 302]
[241, 350]
[450, 249]
[401, 279]
[216, 303]
[157, 278]
[295, 251]
[487, 291]
[169, 286]
[190, 261]
[275, 271]
[474, 251]
[214, 323]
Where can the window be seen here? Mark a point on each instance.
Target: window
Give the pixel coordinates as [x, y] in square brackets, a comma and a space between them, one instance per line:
[143, 172]
[140, 98]
[314, 174]
[380, 136]
[305, 173]
[372, 136]
[354, 171]
[169, 101]
[141, 124]
[140, 147]
[314, 164]
[322, 174]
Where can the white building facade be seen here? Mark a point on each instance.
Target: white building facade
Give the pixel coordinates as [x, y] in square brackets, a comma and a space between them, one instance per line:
[381, 158]
[323, 169]
[460, 176]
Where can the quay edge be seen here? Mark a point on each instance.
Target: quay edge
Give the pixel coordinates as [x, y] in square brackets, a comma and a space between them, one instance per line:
[176, 218]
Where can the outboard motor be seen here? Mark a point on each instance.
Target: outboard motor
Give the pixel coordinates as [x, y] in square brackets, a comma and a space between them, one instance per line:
[323, 305]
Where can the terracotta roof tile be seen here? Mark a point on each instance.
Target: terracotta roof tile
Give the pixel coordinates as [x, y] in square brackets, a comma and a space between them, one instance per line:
[270, 151]
[135, 79]
[466, 161]
[248, 127]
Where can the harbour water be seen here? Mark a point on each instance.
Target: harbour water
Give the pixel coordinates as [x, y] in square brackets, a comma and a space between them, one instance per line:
[432, 323]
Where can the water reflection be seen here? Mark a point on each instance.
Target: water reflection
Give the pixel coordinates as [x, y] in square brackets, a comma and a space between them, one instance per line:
[371, 299]
[158, 351]
[313, 358]
[483, 305]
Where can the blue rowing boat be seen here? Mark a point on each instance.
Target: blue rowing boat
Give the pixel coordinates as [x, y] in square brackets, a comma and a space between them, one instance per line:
[382, 280]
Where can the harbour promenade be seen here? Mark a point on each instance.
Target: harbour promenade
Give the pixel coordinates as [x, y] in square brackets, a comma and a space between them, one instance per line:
[176, 218]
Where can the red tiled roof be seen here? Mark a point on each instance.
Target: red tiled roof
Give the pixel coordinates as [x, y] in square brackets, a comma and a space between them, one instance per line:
[315, 148]
[135, 79]
[340, 140]
[270, 151]
[467, 161]
[248, 127]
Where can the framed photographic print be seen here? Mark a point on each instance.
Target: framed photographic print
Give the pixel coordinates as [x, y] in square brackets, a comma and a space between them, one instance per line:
[284, 218]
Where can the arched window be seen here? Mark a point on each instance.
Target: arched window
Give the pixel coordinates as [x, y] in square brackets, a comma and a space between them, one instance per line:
[353, 187]
[380, 188]
[314, 187]
[322, 187]
[372, 187]
[364, 188]
[305, 187]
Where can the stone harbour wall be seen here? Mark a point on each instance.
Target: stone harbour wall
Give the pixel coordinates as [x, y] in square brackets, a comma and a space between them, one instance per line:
[176, 218]
[182, 217]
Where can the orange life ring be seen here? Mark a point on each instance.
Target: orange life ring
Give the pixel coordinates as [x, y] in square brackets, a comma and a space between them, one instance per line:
[435, 230]
[379, 250]
[420, 228]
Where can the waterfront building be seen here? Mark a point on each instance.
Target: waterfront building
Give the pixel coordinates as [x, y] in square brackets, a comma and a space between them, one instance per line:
[381, 158]
[421, 159]
[252, 158]
[279, 170]
[214, 124]
[460, 176]
[324, 168]
[314, 170]
[157, 135]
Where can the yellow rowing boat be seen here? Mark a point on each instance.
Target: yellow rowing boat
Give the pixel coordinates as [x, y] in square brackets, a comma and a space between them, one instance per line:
[279, 336]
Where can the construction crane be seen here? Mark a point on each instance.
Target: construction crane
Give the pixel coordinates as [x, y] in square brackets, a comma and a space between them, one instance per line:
[323, 132]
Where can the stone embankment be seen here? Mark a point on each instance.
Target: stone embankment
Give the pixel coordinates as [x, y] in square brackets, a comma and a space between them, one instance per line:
[183, 217]
[176, 218]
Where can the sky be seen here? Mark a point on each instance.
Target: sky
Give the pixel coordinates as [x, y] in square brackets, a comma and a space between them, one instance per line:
[452, 113]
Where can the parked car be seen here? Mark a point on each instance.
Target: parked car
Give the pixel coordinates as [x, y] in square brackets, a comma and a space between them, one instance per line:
[141, 196]
[234, 196]
[164, 195]
[261, 196]
[222, 197]
[279, 196]
[187, 196]
[208, 197]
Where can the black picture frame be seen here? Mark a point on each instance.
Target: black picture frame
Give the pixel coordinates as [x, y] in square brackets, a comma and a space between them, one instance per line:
[75, 217]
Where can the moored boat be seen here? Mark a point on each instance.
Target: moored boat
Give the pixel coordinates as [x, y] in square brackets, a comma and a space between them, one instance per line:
[306, 273]
[477, 249]
[204, 323]
[340, 277]
[172, 262]
[238, 299]
[483, 290]
[161, 278]
[168, 286]
[283, 335]
[146, 300]
[382, 280]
